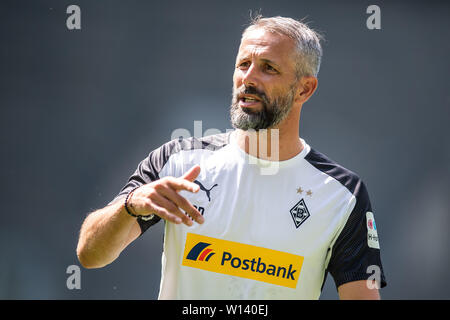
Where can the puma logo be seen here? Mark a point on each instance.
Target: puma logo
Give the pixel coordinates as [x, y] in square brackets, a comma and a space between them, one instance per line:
[207, 191]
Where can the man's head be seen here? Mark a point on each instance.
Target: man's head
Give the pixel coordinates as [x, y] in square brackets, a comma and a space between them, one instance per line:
[276, 69]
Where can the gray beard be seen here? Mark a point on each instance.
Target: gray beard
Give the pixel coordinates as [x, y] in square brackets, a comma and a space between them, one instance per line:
[272, 113]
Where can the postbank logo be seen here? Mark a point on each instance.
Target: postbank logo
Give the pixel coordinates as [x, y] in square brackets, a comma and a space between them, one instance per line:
[200, 252]
[242, 260]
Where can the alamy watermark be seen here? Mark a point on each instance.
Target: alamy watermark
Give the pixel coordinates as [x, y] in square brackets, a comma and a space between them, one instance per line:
[73, 22]
[373, 282]
[374, 20]
[74, 279]
[264, 143]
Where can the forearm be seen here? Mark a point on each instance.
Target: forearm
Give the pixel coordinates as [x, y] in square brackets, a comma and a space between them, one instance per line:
[106, 232]
[103, 236]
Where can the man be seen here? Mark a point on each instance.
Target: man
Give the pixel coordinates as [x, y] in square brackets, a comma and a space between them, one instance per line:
[231, 231]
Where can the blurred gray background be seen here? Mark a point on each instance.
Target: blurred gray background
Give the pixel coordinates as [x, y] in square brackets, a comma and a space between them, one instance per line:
[81, 108]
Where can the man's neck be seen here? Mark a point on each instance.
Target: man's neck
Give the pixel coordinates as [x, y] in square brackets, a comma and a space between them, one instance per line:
[272, 144]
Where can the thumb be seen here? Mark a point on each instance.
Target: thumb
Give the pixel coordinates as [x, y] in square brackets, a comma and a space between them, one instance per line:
[192, 173]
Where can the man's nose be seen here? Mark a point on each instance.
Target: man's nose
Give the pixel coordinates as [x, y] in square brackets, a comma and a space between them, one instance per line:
[251, 76]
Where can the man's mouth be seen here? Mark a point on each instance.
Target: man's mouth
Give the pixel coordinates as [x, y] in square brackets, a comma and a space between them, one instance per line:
[248, 101]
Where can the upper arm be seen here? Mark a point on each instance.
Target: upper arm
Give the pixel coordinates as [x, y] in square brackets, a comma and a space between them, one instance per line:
[358, 290]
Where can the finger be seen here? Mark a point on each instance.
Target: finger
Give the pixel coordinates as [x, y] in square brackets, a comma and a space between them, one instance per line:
[184, 204]
[178, 184]
[173, 209]
[192, 173]
[166, 215]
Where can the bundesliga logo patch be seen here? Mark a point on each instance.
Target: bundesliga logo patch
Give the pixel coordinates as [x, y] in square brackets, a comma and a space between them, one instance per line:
[242, 260]
[372, 234]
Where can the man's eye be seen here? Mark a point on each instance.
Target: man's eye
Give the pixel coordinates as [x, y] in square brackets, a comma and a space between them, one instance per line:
[270, 68]
[244, 65]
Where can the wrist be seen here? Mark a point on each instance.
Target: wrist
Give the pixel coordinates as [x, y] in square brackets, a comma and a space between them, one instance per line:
[129, 206]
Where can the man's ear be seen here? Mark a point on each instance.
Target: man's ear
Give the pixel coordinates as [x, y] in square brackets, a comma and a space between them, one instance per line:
[306, 87]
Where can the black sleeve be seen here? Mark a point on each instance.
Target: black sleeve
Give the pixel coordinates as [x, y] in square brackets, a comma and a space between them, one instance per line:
[351, 254]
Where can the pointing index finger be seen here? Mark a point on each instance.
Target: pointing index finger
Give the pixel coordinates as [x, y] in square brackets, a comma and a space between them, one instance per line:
[182, 184]
[192, 174]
